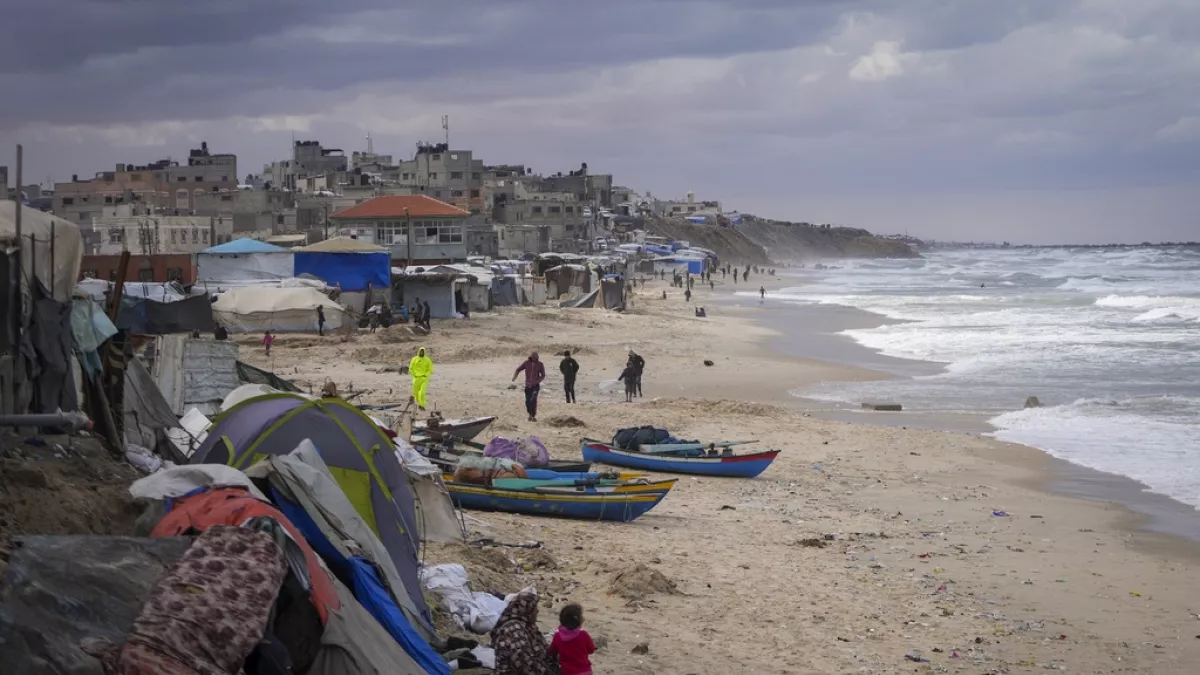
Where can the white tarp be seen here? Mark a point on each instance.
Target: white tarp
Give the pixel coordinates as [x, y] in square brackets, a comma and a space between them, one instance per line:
[175, 482]
[63, 266]
[285, 310]
[215, 269]
[170, 291]
[195, 372]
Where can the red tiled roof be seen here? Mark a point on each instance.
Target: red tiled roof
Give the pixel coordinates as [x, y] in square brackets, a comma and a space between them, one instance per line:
[418, 206]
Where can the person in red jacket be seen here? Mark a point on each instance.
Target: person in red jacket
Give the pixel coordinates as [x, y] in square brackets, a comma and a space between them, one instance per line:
[535, 372]
[571, 644]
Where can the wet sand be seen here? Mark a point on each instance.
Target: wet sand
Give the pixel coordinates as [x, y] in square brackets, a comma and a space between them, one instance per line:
[862, 543]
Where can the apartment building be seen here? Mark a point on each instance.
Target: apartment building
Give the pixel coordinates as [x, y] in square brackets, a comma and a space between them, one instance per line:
[451, 176]
[417, 227]
[687, 207]
[158, 235]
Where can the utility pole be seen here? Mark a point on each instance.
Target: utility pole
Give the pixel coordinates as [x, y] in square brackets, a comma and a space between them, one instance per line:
[408, 236]
[446, 128]
[17, 365]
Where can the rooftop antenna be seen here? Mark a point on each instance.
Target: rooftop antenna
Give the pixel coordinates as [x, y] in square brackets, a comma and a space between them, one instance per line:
[446, 128]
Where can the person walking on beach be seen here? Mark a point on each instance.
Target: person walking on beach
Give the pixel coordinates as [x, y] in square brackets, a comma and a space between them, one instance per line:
[630, 378]
[421, 369]
[762, 294]
[639, 366]
[535, 372]
[571, 643]
[425, 315]
[569, 369]
[268, 340]
[687, 295]
[711, 286]
[320, 320]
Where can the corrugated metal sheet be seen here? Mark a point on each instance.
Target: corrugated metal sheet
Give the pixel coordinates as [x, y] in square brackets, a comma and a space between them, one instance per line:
[193, 373]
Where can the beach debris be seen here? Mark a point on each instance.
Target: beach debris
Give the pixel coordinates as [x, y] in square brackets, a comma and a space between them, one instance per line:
[883, 407]
[726, 507]
[638, 581]
[565, 422]
[812, 542]
[640, 648]
[1000, 514]
[1032, 402]
[708, 363]
[915, 656]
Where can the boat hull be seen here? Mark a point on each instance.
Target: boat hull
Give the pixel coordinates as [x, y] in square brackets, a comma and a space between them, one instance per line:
[731, 466]
[466, 429]
[620, 508]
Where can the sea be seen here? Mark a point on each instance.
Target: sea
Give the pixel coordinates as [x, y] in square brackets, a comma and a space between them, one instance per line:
[1108, 340]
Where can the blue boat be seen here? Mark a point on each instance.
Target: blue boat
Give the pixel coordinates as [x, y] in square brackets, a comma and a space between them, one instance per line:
[733, 466]
[620, 507]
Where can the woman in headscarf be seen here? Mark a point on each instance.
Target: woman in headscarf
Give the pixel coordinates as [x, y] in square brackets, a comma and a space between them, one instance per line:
[420, 368]
[520, 647]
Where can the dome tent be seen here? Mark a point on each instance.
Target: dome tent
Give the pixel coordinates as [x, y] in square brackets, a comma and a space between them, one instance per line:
[359, 456]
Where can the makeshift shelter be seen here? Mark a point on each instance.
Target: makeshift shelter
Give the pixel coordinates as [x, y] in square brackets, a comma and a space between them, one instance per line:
[194, 372]
[359, 455]
[243, 260]
[286, 310]
[148, 416]
[54, 254]
[505, 292]
[434, 285]
[612, 288]
[350, 264]
[564, 279]
[303, 487]
[152, 317]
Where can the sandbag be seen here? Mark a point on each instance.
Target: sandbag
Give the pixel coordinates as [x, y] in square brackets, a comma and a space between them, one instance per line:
[58, 590]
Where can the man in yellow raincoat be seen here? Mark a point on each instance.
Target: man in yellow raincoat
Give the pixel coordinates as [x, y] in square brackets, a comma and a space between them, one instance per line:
[420, 367]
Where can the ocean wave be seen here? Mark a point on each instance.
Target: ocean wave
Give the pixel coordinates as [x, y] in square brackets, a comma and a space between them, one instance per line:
[1148, 302]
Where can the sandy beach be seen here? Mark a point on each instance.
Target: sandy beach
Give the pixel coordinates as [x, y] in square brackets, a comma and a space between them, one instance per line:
[862, 544]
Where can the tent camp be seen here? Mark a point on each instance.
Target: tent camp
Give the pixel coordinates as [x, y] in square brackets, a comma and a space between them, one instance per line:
[359, 455]
[289, 310]
[243, 260]
[350, 264]
[55, 264]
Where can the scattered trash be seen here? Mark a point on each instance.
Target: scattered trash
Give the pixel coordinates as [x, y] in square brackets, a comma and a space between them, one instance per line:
[565, 422]
[726, 507]
[915, 656]
[1000, 514]
[641, 648]
[1035, 516]
[708, 363]
[812, 542]
[1135, 594]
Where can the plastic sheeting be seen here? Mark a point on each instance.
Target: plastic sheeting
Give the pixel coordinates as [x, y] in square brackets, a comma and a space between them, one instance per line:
[230, 268]
[477, 612]
[56, 265]
[528, 451]
[170, 291]
[180, 480]
[151, 317]
[286, 310]
[59, 590]
[349, 271]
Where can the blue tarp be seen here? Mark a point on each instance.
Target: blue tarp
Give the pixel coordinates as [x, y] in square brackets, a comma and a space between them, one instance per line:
[694, 266]
[245, 246]
[351, 271]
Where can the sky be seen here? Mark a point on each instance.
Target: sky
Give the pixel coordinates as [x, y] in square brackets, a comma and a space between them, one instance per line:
[1034, 121]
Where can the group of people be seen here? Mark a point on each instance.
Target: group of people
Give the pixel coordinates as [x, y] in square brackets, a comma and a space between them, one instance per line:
[420, 314]
[535, 373]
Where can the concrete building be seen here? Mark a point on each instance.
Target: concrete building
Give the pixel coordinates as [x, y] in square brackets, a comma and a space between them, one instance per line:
[3, 180]
[163, 187]
[483, 239]
[451, 176]
[160, 268]
[587, 188]
[687, 207]
[154, 234]
[515, 240]
[309, 158]
[414, 228]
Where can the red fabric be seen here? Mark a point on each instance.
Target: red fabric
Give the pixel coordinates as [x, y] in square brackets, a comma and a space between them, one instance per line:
[234, 506]
[573, 648]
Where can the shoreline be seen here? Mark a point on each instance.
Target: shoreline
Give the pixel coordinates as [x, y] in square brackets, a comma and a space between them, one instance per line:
[1153, 513]
[860, 544]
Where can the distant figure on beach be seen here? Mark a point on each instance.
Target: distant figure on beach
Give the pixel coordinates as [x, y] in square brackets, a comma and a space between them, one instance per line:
[723, 271]
[268, 340]
[520, 647]
[425, 315]
[404, 313]
[711, 286]
[421, 369]
[221, 333]
[569, 368]
[535, 372]
[762, 293]
[664, 295]
[639, 367]
[983, 285]
[687, 295]
[571, 644]
[630, 378]
[701, 313]
[320, 320]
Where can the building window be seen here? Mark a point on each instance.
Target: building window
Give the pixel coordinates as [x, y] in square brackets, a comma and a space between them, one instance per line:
[433, 176]
[135, 176]
[181, 179]
[279, 219]
[224, 179]
[181, 199]
[174, 236]
[114, 235]
[82, 217]
[195, 235]
[555, 209]
[174, 274]
[391, 233]
[691, 209]
[108, 200]
[146, 274]
[199, 179]
[226, 198]
[432, 233]
[570, 209]
[437, 158]
[456, 193]
[474, 194]
[67, 201]
[537, 209]
[456, 175]
[204, 236]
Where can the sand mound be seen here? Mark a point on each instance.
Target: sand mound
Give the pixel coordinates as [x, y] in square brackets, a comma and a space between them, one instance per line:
[395, 335]
[639, 581]
[565, 422]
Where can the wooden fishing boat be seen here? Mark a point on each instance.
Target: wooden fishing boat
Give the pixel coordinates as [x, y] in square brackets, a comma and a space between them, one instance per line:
[450, 461]
[613, 507]
[746, 465]
[463, 429]
[581, 485]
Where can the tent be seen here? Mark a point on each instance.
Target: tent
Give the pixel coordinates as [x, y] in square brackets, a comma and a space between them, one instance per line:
[288, 310]
[55, 264]
[243, 260]
[348, 263]
[359, 455]
[302, 486]
[152, 317]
